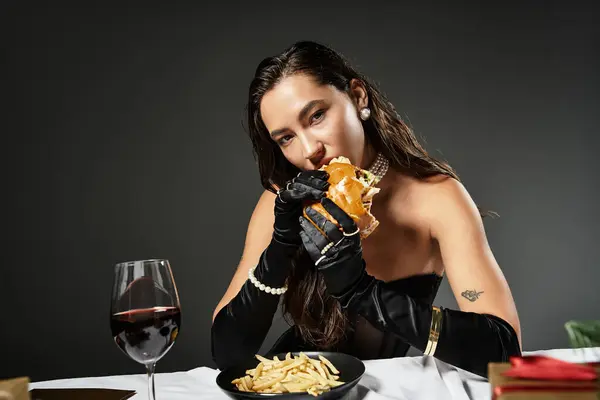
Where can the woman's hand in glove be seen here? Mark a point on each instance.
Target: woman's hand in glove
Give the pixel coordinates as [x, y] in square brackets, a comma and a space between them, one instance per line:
[306, 186]
[337, 253]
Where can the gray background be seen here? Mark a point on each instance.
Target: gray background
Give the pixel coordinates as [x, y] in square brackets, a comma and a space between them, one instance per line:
[122, 139]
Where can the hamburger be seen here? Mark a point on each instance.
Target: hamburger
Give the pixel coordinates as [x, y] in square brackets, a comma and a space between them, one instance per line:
[352, 189]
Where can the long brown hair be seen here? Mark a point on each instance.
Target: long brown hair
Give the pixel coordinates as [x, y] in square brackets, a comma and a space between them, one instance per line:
[317, 315]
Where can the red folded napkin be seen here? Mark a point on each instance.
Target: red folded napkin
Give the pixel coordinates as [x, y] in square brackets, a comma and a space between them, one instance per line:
[547, 368]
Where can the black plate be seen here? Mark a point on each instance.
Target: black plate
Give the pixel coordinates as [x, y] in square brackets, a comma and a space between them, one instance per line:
[351, 370]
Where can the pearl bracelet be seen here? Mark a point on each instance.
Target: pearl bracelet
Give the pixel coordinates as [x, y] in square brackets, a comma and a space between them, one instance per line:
[262, 286]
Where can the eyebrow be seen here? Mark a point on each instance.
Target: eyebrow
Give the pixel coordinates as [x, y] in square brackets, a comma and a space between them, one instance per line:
[301, 115]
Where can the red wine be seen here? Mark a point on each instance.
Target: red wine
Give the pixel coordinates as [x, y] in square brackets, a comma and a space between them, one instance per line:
[146, 335]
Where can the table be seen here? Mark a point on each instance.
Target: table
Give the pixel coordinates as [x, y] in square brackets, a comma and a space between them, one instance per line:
[414, 378]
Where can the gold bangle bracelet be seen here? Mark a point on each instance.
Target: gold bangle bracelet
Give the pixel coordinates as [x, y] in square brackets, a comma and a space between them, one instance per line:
[434, 331]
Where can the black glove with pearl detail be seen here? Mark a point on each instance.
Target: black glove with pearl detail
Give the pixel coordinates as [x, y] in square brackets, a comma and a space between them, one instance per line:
[337, 253]
[467, 340]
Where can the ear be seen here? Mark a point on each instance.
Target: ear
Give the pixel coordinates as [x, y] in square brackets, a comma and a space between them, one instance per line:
[358, 93]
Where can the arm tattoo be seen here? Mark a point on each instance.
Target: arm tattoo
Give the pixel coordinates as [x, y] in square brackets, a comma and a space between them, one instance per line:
[471, 295]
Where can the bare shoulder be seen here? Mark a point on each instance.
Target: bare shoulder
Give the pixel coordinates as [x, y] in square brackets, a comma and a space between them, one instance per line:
[434, 204]
[443, 200]
[424, 198]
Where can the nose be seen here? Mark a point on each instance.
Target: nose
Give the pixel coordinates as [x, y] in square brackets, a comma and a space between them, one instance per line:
[313, 149]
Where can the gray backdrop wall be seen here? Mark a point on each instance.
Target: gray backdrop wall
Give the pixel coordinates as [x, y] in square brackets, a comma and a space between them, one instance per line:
[122, 139]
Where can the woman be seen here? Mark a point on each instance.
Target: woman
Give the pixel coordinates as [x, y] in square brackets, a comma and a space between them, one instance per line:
[371, 298]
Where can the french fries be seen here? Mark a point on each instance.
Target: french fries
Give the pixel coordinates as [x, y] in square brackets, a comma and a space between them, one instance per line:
[290, 375]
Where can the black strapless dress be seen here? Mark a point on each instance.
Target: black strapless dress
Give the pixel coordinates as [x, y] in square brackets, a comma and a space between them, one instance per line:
[365, 341]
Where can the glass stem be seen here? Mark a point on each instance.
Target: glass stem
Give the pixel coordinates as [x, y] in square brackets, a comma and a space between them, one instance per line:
[150, 370]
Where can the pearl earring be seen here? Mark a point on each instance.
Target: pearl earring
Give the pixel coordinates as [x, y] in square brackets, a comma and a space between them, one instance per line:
[365, 113]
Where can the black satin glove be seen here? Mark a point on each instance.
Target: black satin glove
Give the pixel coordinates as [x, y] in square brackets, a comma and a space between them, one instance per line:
[306, 186]
[467, 340]
[240, 327]
[338, 253]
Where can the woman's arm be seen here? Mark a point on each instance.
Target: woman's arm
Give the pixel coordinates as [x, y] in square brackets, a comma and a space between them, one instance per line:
[245, 314]
[258, 236]
[468, 340]
[476, 280]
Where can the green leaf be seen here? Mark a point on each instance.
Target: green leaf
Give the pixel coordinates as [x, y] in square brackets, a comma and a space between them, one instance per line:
[583, 333]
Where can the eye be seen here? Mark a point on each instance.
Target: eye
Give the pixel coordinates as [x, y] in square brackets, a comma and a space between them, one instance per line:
[284, 140]
[316, 117]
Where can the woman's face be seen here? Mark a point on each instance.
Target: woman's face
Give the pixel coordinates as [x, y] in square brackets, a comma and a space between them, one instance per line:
[313, 124]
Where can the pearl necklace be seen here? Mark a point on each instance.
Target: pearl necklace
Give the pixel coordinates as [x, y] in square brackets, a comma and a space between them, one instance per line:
[379, 167]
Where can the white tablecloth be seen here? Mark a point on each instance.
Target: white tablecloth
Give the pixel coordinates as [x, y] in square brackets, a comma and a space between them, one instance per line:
[397, 378]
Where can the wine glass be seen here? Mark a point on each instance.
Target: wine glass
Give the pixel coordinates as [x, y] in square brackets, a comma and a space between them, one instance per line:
[145, 314]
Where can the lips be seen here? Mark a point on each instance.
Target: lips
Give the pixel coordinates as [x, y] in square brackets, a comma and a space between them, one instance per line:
[324, 161]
